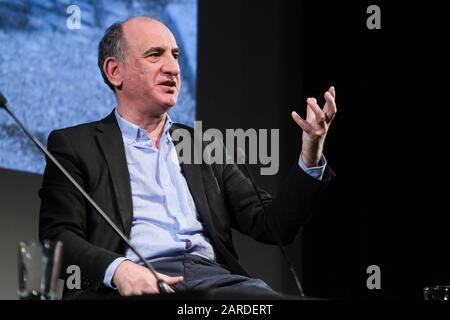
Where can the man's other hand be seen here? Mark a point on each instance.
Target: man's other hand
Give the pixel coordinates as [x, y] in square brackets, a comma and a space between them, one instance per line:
[315, 127]
[132, 279]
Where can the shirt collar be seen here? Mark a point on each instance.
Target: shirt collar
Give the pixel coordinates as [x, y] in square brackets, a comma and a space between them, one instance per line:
[133, 133]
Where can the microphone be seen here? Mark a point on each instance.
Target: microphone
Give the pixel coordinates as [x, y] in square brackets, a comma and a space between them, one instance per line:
[275, 231]
[3, 101]
[163, 286]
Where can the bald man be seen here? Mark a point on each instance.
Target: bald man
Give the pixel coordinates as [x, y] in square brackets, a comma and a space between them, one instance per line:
[178, 215]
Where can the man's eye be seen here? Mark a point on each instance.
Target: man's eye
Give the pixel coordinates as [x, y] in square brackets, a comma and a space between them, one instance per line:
[176, 56]
[153, 54]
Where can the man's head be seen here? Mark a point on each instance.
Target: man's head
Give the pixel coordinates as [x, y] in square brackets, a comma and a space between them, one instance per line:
[138, 59]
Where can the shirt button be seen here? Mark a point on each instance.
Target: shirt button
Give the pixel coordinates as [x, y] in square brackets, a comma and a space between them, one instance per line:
[188, 244]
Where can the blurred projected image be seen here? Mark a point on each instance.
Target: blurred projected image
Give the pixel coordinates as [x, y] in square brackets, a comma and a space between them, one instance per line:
[48, 66]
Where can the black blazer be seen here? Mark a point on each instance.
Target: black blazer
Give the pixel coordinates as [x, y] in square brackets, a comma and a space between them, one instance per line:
[94, 154]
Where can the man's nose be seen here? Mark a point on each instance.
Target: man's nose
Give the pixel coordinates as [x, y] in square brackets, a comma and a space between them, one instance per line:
[171, 67]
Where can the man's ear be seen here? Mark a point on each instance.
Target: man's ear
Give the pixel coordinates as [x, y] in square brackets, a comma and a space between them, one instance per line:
[112, 71]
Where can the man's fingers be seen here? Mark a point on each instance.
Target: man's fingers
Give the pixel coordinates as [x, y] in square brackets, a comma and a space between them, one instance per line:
[301, 122]
[174, 280]
[332, 90]
[330, 106]
[150, 289]
[170, 280]
[138, 290]
[312, 104]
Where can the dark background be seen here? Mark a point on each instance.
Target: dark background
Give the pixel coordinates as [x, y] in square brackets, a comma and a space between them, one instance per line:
[389, 205]
[388, 144]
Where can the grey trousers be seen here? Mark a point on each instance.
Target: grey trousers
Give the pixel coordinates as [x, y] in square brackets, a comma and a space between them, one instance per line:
[201, 274]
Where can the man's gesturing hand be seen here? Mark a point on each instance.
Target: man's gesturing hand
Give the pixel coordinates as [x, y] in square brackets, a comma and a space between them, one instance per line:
[315, 127]
[132, 279]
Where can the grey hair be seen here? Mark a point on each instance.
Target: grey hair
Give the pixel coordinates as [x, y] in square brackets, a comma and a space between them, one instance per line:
[111, 45]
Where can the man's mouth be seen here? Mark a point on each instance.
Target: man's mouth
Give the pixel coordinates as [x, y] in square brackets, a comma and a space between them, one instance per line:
[169, 83]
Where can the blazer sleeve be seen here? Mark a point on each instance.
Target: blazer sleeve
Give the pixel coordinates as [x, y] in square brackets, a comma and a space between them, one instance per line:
[63, 215]
[283, 215]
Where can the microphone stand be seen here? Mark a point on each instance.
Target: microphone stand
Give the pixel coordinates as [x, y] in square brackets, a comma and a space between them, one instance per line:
[276, 231]
[163, 286]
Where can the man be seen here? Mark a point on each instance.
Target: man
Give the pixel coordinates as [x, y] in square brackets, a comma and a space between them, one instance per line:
[179, 216]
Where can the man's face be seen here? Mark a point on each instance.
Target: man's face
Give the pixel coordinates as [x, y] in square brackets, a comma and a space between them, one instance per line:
[151, 73]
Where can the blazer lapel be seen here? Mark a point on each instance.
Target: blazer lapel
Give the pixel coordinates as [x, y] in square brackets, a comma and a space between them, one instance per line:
[194, 178]
[193, 175]
[109, 138]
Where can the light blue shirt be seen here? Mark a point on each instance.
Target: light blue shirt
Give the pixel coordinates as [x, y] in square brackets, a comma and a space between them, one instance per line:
[315, 172]
[165, 221]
